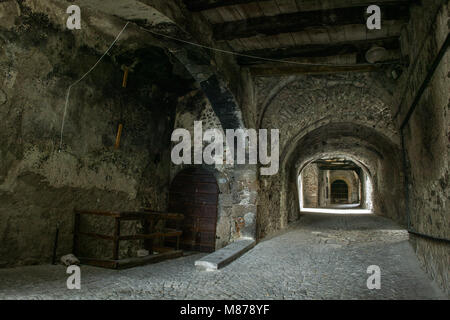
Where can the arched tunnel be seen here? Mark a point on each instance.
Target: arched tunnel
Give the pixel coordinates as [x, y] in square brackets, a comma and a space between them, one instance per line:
[372, 153]
[285, 143]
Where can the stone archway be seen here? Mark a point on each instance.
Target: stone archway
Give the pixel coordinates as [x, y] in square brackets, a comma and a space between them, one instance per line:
[339, 192]
[369, 150]
[360, 181]
[345, 114]
[353, 182]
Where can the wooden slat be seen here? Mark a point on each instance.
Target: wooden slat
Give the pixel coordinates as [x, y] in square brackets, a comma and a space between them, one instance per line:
[287, 6]
[151, 235]
[230, 14]
[302, 5]
[252, 10]
[338, 34]
[164, 215]
[110, 264]
[76, 230]
[131, 262]
[301, 38]
[240, 13]
[200, 5]
[320, 35]
[116, 237]
[96, 235]
[236, 45]
[357, 32]
[269, 8]
[318, 50]
[281, 70]
[285, 40]
[98, 213]
[295, 22]
[312, 5]
[147, 215]
[147, 227]
[163, 249]
[270, 41]
[213, 16]
[116, 243]
[134, 262]
[253, 43]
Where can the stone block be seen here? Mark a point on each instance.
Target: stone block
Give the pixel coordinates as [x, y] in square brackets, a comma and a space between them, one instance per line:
[224, 256]
[242, 210]
[225, 200]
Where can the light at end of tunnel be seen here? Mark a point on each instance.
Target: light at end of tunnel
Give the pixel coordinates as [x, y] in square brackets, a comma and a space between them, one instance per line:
[337, 211]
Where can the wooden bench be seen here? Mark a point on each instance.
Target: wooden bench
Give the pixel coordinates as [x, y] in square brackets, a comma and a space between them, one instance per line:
[149, 219]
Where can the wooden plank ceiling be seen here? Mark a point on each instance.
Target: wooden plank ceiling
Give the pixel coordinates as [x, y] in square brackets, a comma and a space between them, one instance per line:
[315, 31]
[336, 164]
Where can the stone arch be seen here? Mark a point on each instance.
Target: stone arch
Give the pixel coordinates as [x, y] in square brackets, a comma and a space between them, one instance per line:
[155, 23]
[365, 175]
[346, 186]
[270, 89]
[324, 99]
[272, 95]
[352, 180]
[311, 111]
[156, 18]
[375, 153]
[367, 147]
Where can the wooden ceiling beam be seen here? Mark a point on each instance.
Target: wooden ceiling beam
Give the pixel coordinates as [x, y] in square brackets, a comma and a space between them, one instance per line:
[353, 168]
[270, 70]
[299, 21]
[318, 50]
[202, 5]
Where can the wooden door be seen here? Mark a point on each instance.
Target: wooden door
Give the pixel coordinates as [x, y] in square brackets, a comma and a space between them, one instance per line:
[194, 193]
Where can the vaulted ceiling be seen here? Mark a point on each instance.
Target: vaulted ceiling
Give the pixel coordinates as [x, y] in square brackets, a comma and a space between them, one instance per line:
[313, 31]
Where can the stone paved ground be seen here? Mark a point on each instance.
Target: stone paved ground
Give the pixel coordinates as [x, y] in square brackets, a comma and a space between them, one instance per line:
[321, 257]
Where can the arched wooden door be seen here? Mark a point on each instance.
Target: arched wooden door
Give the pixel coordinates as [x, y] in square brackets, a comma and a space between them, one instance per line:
[194, 193]
[339, 192]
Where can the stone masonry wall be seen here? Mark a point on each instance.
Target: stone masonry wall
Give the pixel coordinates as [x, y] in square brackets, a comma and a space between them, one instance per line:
[342, 114]
[427, 136]
[310, 186]
[236, 212]
[41, 185]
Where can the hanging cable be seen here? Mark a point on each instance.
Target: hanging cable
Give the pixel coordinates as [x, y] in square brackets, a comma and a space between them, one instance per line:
[204, 47]
[261, 58]
[79, 80]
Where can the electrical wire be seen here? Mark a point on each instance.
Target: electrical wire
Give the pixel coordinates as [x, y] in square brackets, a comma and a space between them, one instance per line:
[79, 80]
[261, 58]
[200, 46]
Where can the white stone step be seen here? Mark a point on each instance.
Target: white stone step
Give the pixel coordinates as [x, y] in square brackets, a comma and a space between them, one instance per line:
[224, 256]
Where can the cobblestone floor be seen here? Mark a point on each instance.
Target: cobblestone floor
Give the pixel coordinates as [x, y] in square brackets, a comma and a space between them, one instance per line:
[320, 257]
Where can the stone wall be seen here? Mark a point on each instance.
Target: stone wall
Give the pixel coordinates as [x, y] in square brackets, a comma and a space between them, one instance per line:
[236, 214]
[324, 190]
[314, 184]
[305, 100]
[424, 119]
[40, 185]
[310, 185]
